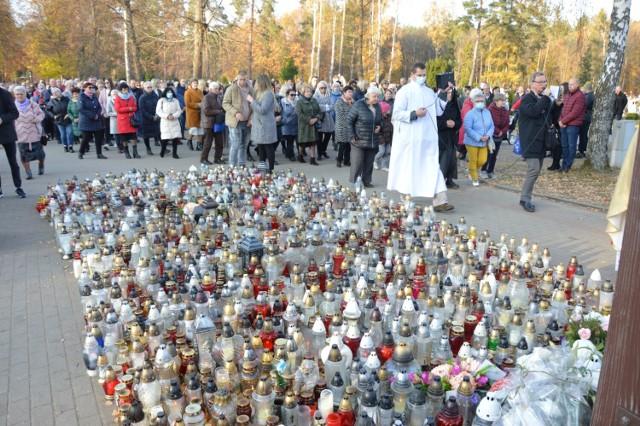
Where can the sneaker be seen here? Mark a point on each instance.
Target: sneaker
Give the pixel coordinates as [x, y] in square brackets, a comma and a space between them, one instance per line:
[385, 169]
[29, 174]
[375, 166]
[20, 193]
[483, 175]
[475, 183]
[492, 176]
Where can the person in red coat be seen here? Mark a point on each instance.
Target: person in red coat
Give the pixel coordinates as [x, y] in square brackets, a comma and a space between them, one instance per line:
[126, 107]
[573, 109]
[500, 116]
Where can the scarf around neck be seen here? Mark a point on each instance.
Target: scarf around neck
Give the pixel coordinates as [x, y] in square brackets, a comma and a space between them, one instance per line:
[23, 106]
[123, 96]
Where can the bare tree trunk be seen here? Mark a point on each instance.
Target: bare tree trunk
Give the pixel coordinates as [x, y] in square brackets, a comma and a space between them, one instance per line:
[333, 43]
[546, 56]
[319, 42]
[361, 40]
[393, 40]
[131, 29]
[127, 62]
[344, 13]
[251, 40]
[603, 110]
[95, 57]
[313, 41]
[378, 38]
[474, 61]
[198, 38]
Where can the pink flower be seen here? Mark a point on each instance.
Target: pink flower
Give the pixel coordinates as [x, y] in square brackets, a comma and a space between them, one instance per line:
[442, 370]
[577, 317]
[412, 377]
[584, 333]
[456, 370]
[605, 326]
[426, 378]
[483, 380]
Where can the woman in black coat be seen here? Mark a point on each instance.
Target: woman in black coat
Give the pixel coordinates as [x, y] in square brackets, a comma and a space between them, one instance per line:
[150, 123]
[364, 122]
[448, 125]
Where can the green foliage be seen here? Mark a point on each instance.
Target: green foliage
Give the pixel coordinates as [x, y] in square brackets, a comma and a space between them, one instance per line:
[289, 69]
[436, 66]
[598, 335]
[632, 116]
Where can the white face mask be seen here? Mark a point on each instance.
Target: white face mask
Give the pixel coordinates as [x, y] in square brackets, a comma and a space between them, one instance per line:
[480, 105]
[169, 95]
[421, 79]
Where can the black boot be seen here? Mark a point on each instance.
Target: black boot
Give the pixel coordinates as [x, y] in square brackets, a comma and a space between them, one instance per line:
[190, 145]
[135, 152]
[163, 148]
[66, 148]
[71, 149]
[149, 152]
[126, 152]
[175, 149]
[313, 162]
[301, 158]
[156, 142]
[199, 146]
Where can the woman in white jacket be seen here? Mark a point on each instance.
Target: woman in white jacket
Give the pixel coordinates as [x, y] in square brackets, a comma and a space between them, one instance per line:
[113, 118]
[168, 109]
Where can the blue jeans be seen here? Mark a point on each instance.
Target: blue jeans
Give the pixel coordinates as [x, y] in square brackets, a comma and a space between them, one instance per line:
[66, 134]
[239, 138]
[569, 136]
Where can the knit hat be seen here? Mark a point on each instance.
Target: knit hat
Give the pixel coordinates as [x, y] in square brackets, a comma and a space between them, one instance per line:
[385, 107]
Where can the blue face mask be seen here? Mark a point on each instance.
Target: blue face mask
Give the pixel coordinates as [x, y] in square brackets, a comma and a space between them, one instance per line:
[421, 79]
[169, 95]
[480, 105]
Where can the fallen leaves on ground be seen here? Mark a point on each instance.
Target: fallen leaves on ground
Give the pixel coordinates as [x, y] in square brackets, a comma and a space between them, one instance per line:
[581, 184]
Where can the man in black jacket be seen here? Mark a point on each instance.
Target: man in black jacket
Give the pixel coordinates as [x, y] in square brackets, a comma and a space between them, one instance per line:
[534, 118]
[619, 103]
[586, 121]
[9, 114]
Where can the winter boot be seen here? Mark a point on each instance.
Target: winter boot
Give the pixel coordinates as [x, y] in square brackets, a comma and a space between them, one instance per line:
[135, 152]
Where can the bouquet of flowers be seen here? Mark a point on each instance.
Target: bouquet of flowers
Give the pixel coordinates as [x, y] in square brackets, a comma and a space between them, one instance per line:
[592, 327]
[453, 373]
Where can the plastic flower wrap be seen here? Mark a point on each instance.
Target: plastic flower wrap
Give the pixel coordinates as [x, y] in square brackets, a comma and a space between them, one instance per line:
[547, 388]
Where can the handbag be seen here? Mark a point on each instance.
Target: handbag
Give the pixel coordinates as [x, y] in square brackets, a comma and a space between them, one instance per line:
[134, 122]
[44, 140]
[552, 139]
[517, 148]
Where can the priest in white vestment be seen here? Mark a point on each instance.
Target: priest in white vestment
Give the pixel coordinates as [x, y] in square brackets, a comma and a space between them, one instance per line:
[414, 167]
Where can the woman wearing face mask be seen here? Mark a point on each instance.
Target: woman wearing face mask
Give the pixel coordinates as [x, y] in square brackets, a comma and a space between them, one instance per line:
[126, 108]
[103, 98]
[150, 124]
[478, 128]
[364, 124]
[57, 109]
[327, 126]
[169, 110]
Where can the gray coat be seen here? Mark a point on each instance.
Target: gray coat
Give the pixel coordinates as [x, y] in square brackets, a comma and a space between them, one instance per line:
[326, 108]
[263, 129]
[113, 117]
[343, 134]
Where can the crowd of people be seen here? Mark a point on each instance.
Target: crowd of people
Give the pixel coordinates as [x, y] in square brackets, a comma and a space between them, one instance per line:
[357, 118]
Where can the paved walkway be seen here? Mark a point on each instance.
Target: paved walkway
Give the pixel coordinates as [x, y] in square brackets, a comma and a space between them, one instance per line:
[42, 375]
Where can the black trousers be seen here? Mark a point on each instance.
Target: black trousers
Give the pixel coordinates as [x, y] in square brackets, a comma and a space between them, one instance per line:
[584, 136]
[267, 152]
[10, 149]
[289, 140]
[323, 143]
[87, 137]
[344, 153]
[174, 145]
